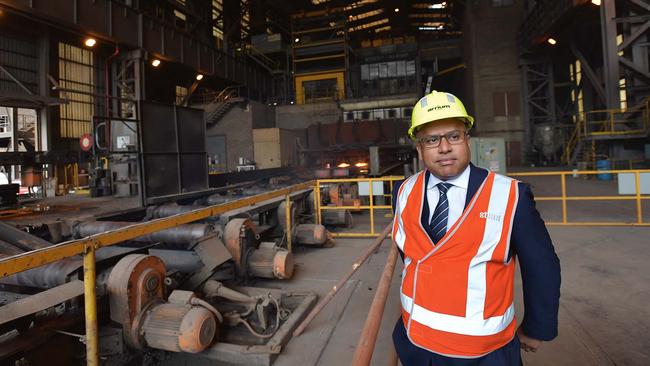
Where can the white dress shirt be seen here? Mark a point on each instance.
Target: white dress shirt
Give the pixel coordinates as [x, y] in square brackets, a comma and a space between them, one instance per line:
[456, 195]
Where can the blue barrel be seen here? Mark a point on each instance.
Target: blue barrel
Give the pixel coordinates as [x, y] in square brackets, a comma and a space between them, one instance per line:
[604, 165]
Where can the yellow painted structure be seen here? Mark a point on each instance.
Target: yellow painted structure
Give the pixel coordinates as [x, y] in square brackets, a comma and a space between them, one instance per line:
[337, 75]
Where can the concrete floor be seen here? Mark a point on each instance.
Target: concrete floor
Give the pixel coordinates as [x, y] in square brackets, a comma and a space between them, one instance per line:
[604, 312]
[604, 316]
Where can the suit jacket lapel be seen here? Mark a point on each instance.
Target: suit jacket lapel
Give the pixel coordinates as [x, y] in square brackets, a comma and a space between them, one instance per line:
[476, 177]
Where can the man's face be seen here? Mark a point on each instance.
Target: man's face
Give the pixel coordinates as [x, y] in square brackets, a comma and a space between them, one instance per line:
[447, 160]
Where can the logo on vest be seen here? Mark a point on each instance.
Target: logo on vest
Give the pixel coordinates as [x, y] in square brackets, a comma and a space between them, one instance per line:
[491, 216]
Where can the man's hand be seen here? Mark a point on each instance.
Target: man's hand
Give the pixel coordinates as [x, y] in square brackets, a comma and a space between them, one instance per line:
[528, 344]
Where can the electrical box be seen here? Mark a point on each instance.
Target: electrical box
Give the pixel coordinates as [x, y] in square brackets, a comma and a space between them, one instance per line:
[489, 153]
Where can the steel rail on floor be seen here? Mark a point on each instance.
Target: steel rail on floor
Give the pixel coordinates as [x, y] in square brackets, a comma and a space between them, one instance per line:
[87, 247]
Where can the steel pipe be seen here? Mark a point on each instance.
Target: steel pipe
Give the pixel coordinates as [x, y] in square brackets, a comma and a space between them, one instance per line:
[182, 234]
[48, 276]
[368, 339]
[217, 199]
[157, 212]
[21, 239]
[181, 260]
[330, 295]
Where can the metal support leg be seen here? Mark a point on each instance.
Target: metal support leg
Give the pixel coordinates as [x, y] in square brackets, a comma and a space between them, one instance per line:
[90, 301]
[287, 207]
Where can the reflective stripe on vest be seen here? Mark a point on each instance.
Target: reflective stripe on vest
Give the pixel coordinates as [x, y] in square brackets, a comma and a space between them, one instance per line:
[463, 286]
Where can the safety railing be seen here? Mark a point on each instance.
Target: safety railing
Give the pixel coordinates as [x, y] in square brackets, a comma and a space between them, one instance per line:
[564, 198]
[385, 182]
[87, 247]
[608, 122]
[615, 121]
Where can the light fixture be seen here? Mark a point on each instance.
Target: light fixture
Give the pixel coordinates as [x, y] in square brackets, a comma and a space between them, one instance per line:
[551, 41]
[155, 62]
[397, 10]
[595, 2]
[343, 165]
[199, 76]
[297, 39]
[361, 165]
[292, 102]
[275, 103]
[89, 42]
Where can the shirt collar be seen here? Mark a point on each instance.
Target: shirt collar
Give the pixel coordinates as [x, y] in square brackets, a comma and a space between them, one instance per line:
[461, 181]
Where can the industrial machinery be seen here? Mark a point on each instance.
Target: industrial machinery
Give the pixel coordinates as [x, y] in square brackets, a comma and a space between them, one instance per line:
[169, 294]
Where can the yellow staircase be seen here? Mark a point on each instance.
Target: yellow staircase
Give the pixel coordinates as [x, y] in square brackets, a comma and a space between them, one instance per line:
[605, 124]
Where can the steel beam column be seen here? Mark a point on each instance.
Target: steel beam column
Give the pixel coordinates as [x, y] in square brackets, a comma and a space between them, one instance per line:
[610, 54]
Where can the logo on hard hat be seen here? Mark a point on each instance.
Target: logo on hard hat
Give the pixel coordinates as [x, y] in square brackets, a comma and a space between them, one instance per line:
[438, 107]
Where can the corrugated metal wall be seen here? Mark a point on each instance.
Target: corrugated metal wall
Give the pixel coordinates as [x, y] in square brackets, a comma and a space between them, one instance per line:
[76, 72]
[20, 57]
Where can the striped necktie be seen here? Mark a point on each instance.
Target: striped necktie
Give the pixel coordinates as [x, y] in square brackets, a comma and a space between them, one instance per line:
[438, 223]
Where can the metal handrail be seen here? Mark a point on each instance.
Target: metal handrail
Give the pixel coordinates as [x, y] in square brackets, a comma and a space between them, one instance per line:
[564, 198]
[371, 206]
[582, 130]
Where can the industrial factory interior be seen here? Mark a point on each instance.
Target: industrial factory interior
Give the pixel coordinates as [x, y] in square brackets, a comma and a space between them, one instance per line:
[246, 182]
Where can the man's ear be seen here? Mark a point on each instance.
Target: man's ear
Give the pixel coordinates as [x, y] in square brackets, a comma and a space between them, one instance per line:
[419, 149]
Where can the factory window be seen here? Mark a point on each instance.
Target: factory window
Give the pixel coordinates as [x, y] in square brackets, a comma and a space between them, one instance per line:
[408, 112]
[392, 113]
[499, 3]
[245, 18]
[622, 94]
[349, 116]
[217, 22]
[77, 77]
[505, 104]
[577, 96]
[181, 93]
[365, 115]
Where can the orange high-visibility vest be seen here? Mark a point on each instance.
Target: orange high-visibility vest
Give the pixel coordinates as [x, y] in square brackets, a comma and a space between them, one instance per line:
[457, 296]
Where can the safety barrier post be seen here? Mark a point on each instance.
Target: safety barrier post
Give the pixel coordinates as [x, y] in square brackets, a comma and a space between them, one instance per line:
[90, 302]
[287, 220]
[639, 216]
[75, 175]
[65, 176]
[372, 210]
[318, 202]
[564, 218]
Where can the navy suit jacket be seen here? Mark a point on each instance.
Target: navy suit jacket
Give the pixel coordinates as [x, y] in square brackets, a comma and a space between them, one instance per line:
[531, 243]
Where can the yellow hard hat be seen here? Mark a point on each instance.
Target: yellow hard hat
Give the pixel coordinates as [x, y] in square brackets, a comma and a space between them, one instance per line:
[436, 106]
